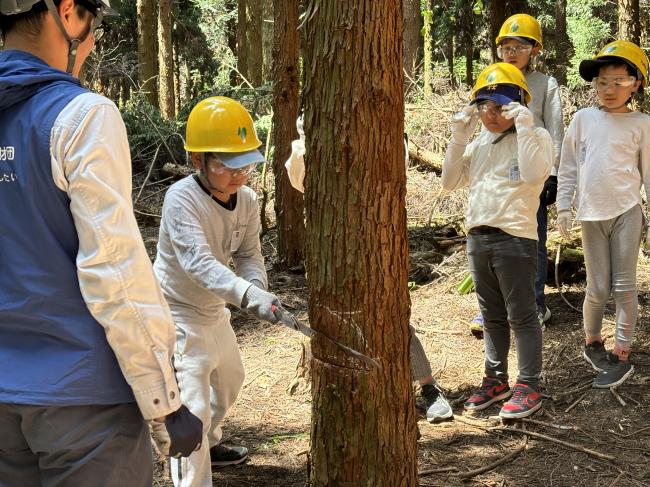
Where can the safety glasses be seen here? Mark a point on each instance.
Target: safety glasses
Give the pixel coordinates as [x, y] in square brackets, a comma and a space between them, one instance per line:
[489, 107]
[217, 168]
[605, 82]
[513, 50]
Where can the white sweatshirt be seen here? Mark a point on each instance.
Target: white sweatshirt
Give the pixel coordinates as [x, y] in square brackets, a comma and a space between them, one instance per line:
[546, 106]
[91, 162]
[198, 240]
[505, 179]
[605, 159]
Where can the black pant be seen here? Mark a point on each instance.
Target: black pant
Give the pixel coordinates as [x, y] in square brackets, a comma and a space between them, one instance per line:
[74, 446]
[503, 269]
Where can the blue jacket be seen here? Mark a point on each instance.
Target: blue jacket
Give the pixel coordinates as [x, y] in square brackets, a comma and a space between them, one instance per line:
[52, 350]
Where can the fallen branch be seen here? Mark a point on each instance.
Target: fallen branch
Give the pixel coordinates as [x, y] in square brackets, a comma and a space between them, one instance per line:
[620, 435]
[426, 158]
[424, 473]
[570, 392]
[548, 425]
[477, 423]
[576, 402]
[574, 446]
[473, 473]
[617, 397]
[146, 179]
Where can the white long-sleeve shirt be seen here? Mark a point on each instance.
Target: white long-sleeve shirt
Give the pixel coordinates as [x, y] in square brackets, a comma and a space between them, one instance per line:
[198, 239]
[91, 162]
[605, 159]
[546, 106]
[505, 179]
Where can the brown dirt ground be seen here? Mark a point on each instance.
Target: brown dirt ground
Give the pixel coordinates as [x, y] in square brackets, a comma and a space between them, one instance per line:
[274, 425]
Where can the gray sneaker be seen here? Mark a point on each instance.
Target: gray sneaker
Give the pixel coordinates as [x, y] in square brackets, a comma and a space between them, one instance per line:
[222, 455]
[596, 355]
[615, 372]
[543, 315]
[438, 408]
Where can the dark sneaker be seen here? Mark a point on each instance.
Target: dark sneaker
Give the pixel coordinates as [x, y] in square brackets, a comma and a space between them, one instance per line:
[491, 391]
[222, 455]
[596, 355]
[524, 401]
[438, 408]
[543, 315]
[614, 373]
[476, 326]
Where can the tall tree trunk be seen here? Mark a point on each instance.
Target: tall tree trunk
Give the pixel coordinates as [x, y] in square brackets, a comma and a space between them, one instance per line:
[363, 421]
[267, 40]
[563, 43]
[427, 39]
[147, 49]
[289, 206]
[231, 34]
[517, 7]
[412, 38]
[178, 99]
[468, 36]
[242, 44]
[254, 14]
[166, 60]
[629, 23]
[497, 16]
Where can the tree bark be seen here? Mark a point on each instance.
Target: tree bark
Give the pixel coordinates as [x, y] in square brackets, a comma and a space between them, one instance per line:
[254, 14]
[242, 44]
[267, 40]
[563, 43]
[289, 206]
[231, 36]
[427, 39]
[497, 16]
[412, 38]
[166, 60]
[629, 23]
[363, 421]
[147, 49]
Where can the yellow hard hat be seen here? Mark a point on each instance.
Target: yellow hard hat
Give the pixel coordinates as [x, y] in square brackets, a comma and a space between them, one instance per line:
[520, 25]
[220, 124]
[503, 83]
[626, 51]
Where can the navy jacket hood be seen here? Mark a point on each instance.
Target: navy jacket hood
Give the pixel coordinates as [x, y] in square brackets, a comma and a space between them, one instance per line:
[23, 74]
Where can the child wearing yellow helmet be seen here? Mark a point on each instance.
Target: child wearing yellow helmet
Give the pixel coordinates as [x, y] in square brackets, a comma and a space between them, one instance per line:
[519, 43]
[605, 160]
[505, 167]
[209, 220]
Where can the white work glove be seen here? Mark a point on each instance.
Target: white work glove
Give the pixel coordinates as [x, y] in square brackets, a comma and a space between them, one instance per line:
[463, 125]
[564, 223]
[296, 165]
[522, 115]
[260, 304]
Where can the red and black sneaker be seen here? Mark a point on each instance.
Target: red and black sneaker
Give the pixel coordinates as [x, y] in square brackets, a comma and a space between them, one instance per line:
[524, 401]
[491, 391]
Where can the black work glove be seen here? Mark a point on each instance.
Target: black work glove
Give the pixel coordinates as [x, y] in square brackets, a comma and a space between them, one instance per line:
[185, 432]
[549, 193]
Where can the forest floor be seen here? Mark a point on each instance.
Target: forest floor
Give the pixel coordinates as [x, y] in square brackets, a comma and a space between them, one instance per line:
[275, 424]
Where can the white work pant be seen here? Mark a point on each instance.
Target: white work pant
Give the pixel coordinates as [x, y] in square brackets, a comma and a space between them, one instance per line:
[210, 375]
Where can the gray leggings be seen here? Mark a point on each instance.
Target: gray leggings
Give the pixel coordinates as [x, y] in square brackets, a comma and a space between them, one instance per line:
[420, 366]
[611, 252]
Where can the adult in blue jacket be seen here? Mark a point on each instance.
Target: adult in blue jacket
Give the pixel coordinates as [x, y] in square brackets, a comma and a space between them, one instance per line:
[86, 338]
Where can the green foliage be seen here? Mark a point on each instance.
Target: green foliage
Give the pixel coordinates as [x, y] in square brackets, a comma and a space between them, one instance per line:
[145, 128]
[587, 32]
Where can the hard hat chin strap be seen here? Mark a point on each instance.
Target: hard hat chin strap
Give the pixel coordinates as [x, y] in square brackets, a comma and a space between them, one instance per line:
[73, 44]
